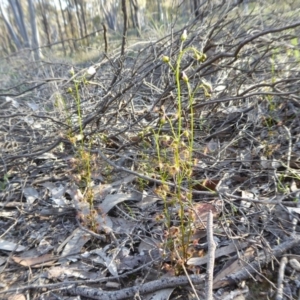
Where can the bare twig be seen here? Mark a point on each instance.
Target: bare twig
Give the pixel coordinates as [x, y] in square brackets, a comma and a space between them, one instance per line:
[211, 257]
[266, 202]
[105, 38]
[283, 263]
[264, 259]
[71, 284]
[289, 152]
[143, 289]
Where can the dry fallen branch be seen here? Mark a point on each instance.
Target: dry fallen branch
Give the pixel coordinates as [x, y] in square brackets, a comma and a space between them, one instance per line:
[70, 284]
[211, 257]
[262, 260]
[280, 286]
[143, 289]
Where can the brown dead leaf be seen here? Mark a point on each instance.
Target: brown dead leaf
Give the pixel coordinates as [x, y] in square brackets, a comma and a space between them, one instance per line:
[206, 185]
[13, 204]
[35, 262]
[16, 297]
[201, 210]
[55, 272]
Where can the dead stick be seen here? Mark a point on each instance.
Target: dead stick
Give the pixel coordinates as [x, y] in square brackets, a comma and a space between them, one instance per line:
[254, 267]
[211, 257]
[283, 263]
[142, 289]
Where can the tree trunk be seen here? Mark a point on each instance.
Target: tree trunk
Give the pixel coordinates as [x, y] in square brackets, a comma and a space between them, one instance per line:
[110, 12]
[160, 14]
[124, 39]
[79, 23]
[82, 7]
[196, 8]
[45, 22]
[65, 26]
[19, 19]
[60, 32]
[35, 33]
[10, 29]
[72, 26]
[139, 17]
[132, 15]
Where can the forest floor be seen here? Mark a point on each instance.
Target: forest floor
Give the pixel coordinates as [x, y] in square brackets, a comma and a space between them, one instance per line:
[169, 171]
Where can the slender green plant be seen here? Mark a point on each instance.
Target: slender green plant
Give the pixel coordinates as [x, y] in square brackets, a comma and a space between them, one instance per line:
[180, 143]
[83, 153]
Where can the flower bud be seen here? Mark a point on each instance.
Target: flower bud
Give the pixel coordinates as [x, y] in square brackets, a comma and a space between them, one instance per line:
[203, 57]
[72, 72]
[200, 57]
[184, 35]
[197, 56]
[162, 120]
[184, 77]
[165, 59]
